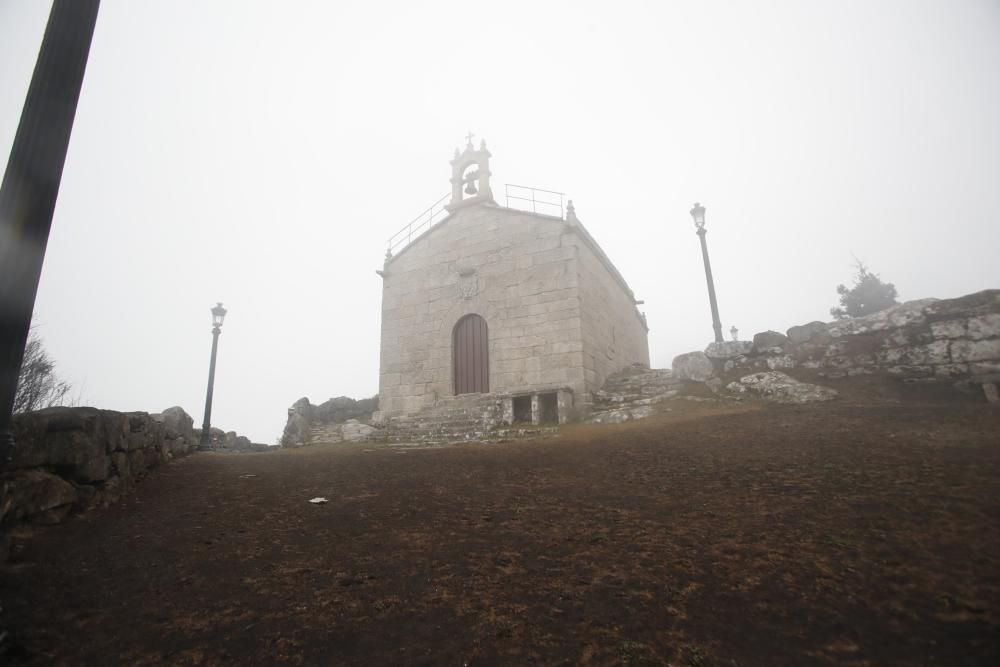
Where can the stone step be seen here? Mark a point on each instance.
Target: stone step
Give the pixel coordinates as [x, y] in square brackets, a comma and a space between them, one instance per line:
[435, 426]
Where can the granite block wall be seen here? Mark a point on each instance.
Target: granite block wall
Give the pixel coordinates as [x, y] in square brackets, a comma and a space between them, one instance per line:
[614, 331]
[511, 268]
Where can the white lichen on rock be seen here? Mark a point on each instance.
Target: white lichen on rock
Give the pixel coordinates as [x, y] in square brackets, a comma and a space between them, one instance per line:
[781, 388]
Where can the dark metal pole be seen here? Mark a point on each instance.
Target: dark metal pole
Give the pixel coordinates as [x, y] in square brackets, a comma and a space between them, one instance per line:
[716, 324]
[31, 184]
[206, 427]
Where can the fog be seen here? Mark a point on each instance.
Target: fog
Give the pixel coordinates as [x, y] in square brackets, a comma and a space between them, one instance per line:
[261, 153]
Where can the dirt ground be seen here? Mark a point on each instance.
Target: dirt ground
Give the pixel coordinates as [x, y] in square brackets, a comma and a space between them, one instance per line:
[857, 534]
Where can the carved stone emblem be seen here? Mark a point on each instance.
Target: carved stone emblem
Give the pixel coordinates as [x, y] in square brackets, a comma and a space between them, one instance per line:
[468, 286]
[468, 282]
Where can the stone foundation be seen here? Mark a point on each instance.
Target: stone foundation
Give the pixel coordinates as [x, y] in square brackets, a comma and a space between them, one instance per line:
[482, 417]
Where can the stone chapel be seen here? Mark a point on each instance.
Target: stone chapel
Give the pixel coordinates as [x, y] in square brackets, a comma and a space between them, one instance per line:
[519, 311]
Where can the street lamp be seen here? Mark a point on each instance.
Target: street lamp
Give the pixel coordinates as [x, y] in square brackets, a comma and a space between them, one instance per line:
[218, 315]
[698, 213]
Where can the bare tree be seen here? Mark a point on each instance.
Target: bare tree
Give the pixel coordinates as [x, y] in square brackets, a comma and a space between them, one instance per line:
[38, 386]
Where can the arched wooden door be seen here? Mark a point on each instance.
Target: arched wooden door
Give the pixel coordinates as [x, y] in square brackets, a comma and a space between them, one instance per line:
[471, 347]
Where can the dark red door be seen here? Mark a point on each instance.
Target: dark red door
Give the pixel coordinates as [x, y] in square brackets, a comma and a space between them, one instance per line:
[472, 357]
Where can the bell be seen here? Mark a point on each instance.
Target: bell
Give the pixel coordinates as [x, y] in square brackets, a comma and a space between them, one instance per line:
[470, 187]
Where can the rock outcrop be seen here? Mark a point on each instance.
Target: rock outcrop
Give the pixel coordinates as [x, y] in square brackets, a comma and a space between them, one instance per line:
[633, 394]
[781, 388]
[336, 420]
[954, 341]
[766, 340]
[728, 349]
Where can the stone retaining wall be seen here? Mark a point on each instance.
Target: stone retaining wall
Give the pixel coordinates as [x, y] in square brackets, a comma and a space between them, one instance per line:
[74, 459]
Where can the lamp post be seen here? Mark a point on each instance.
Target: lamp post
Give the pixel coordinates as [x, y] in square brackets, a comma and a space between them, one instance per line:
[698, 213]
[218, 315]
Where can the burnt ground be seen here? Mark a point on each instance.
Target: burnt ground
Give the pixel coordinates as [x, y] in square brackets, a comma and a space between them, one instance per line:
[864, 533]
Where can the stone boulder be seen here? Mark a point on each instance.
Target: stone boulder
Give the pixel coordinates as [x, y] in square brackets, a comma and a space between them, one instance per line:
[728, 349]
[176, 423]
[805, 332]
[31, 493]
[694, 366]
[768, 339]
[74, 439]
[975, 350]
[914, 355]
[296, 428]
[142, 430]
[781, 388]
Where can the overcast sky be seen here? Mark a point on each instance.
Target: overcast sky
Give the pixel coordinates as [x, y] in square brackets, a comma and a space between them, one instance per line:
[260, 153]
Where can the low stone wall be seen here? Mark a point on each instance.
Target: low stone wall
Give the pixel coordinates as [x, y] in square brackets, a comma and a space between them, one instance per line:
[74, 459]
[955, 341]
[230, 441]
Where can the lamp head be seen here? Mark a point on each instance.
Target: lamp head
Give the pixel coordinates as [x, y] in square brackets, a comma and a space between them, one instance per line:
[698, 213]
[218, 315]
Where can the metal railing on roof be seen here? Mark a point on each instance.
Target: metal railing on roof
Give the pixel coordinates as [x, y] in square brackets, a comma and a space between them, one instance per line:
[535, 199]
[433, 213]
